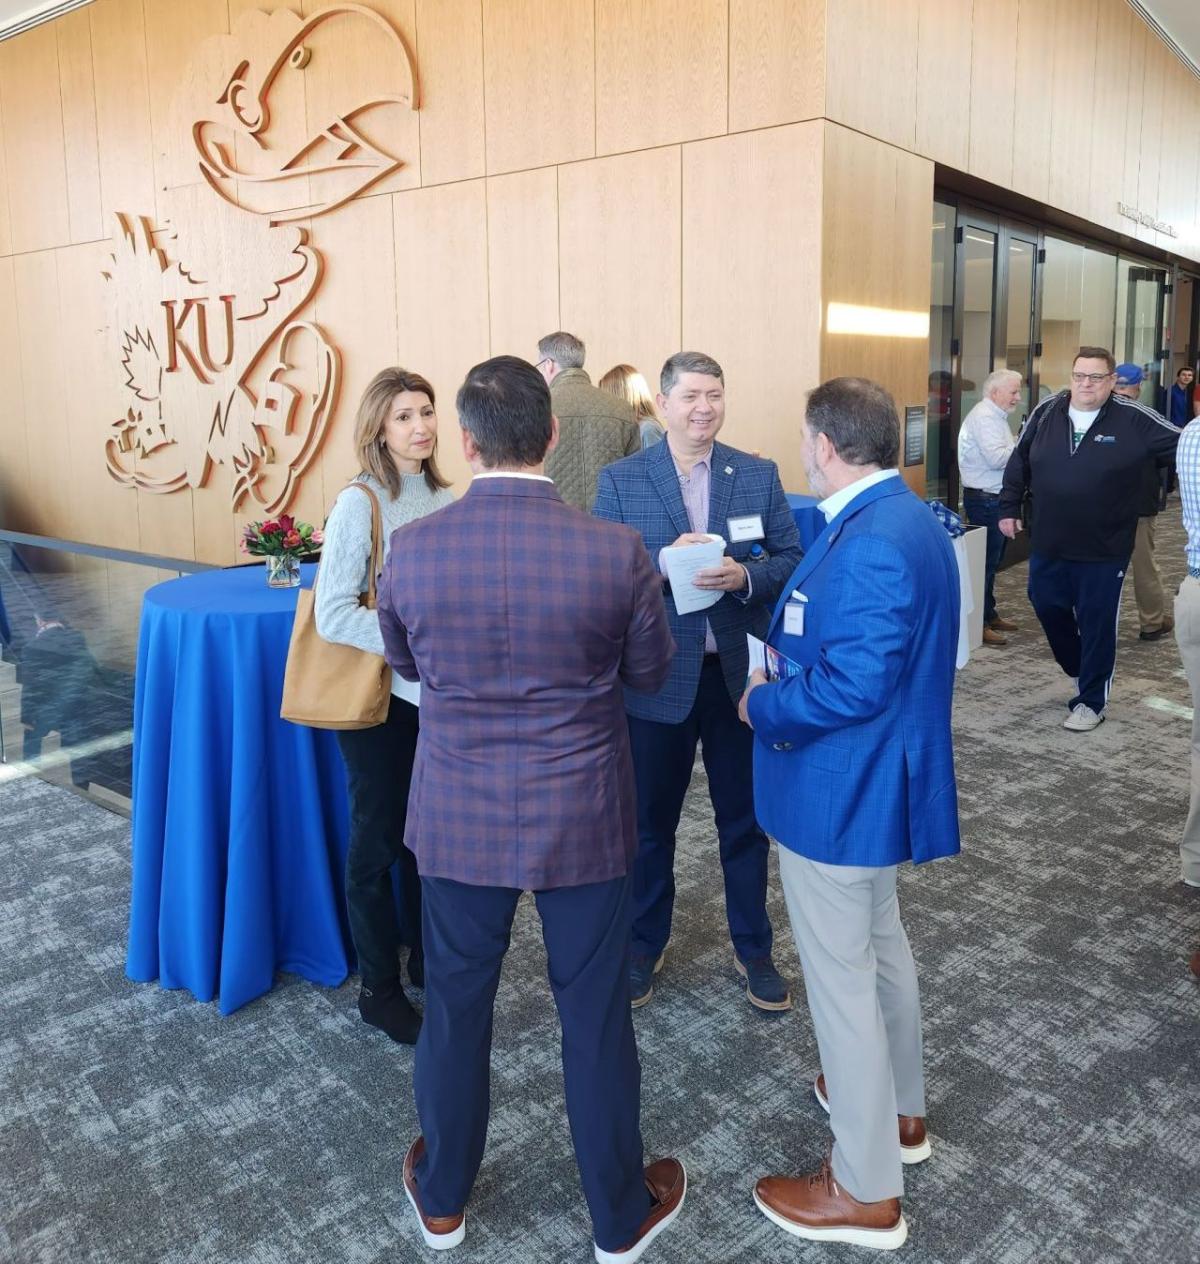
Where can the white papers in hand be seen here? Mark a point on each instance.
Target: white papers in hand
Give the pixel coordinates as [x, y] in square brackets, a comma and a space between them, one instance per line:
[682, 565]
[758, 653]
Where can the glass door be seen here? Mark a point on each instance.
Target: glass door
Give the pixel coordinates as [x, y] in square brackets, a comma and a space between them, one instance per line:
[1141, 302]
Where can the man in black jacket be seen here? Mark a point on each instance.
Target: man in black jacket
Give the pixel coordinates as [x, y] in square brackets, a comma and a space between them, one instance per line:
[1081, 456]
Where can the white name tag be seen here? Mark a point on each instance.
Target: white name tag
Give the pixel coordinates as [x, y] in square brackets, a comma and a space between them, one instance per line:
[747, 528]
[793, 618]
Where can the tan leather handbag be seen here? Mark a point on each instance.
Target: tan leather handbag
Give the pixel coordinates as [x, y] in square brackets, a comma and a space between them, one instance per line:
[331, 686]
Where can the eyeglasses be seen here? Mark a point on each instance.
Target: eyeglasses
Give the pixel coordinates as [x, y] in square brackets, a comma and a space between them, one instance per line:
[1094, 378]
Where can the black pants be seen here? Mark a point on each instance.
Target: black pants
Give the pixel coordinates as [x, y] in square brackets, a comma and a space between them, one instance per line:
[379, 764]
[984, 511]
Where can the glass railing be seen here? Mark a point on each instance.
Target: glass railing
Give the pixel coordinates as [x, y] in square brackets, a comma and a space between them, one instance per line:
[68, 651]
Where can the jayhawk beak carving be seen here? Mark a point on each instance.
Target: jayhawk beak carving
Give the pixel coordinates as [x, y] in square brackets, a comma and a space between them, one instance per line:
[304, 176]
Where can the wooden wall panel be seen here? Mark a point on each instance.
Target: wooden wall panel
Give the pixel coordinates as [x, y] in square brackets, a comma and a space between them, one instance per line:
[876, 253]
[122, 108]
[539, 68]
[871, 67]
[752, 280]
[173, 34]
[5, 221]
[55, 507]
[619, 257]
[17, 486]
[776, 62]
[441, 288]
[1150, 138]
[1177, 171]
[33, 137]
[1110, 106]
[81, 148]
[659, 72]
[106, 513]
[450, 59]
[1035, 91]
[522, 260]
[1071, 115]
[993, 90]
[1139, 42]
[944, 80]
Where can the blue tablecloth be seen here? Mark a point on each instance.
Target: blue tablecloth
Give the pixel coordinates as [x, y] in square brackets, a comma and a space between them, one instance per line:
[239, 818]
[810, 521]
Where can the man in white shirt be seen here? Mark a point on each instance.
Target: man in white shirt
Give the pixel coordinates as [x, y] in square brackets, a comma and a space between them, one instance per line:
[985, 442]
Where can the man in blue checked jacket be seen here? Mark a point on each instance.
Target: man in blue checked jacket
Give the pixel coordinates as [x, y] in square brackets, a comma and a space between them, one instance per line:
[853, 774]
[674, 493]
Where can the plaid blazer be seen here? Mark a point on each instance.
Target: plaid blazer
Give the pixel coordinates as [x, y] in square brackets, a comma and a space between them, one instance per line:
[643, 491]
[522, 617]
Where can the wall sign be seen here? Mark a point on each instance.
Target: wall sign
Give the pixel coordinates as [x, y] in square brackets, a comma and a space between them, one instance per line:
[914, 434]
[220, 361]
[1146, 220]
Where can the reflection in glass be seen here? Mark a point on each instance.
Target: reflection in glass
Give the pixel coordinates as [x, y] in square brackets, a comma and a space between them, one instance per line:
[1079, 303]
[1022, 263]
[1140, 293]
[941, 330]
[978, 314]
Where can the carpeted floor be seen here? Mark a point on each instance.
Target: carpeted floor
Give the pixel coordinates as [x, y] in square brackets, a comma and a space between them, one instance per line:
[1062, 1036]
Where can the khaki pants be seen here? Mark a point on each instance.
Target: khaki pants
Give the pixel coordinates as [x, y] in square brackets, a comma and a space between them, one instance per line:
[1187, 637]
[1147, 582]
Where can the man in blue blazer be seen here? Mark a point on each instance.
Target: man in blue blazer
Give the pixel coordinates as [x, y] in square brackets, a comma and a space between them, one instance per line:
[674, 493]
[853, 774]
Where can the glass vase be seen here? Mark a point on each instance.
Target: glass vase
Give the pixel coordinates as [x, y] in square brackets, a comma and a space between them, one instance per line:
[283, 571]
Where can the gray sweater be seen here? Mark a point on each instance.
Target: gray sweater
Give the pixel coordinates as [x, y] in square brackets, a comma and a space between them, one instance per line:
[345, 557]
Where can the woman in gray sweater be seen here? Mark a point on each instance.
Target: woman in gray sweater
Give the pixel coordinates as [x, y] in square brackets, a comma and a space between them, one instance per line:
[395, 438]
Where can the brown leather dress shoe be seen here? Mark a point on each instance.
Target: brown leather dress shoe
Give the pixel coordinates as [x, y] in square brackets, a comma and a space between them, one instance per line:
[1194, 964]
[817, 1207]
[439, 1232]
[914, 1140]
[667, 1182]
[1003, 625]
[992, 637]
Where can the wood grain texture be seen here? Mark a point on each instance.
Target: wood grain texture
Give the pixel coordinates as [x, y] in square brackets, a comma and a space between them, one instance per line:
[450, 58]
[993, 90]
[619, 257]
[81, 147]
[776, 62]
[1130, 167]
[33, 138]
[1177, 170]
[1035, 91]
[752, 279]
[122, 108]
[523, 264]
[1071, 100]
[1150, 137]
[660, 72]
[441, 289]
[944, 80]
[539, 82]
[871, 67]
[5, 221]
[1110, 107]
[17, 486]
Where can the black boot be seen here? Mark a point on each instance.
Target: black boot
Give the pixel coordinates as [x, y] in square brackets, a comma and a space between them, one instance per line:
[385, 1006]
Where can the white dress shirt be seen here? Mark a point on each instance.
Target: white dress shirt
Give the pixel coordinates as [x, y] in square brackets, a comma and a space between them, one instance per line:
[833, 505]
[985, 443]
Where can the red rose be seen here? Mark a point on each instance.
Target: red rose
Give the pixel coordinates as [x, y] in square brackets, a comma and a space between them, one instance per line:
[269, 528]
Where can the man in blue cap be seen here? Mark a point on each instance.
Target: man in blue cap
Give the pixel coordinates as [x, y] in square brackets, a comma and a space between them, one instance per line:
[1153, 619]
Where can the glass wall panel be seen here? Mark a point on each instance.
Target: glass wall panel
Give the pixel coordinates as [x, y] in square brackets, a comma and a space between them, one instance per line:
[1079, 304]
[978, 314]
[1018, 355]
[939, 439]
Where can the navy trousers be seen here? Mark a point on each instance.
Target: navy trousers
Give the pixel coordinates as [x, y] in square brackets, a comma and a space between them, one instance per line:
[1077, 604]
[984, 511]
[663, 756]
[586, 933]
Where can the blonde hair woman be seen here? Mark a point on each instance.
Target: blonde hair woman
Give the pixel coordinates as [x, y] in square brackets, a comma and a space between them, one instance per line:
[624, 381]
[395, 438]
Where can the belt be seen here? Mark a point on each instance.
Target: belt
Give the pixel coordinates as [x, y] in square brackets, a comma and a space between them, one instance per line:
[975, 491]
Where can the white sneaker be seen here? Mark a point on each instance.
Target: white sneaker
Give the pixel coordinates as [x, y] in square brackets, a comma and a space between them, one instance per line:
[1190, 882]
[1082, 719]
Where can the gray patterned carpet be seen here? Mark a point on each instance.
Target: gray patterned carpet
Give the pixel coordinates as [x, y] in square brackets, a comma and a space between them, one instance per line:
[1062, 1033]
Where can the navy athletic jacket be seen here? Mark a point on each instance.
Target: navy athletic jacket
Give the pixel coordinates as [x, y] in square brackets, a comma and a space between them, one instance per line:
[1086, 503]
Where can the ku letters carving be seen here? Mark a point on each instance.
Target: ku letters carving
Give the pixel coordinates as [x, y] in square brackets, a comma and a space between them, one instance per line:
[221, 361]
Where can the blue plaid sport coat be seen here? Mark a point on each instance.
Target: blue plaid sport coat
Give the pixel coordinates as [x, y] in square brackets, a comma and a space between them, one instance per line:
[853, 761]
[522, 617]
[643, 492]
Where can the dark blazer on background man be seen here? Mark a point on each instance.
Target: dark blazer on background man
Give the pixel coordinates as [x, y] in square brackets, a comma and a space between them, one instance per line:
[643, 491]
[522, 617]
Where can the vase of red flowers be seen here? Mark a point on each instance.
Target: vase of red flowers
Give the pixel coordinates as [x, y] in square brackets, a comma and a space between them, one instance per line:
[284, 543]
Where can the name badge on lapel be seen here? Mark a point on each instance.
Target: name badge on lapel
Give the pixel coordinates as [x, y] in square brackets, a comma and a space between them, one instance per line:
[793, 614]
[748, 528]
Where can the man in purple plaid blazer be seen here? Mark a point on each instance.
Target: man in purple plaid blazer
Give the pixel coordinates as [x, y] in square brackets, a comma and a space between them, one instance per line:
[523, 617]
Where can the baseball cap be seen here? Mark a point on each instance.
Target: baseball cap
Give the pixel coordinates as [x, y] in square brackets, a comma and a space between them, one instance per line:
[1129, 375]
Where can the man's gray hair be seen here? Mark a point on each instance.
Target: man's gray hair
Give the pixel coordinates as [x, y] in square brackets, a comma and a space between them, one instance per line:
[998, 377]
[563, 348]
[688, 362]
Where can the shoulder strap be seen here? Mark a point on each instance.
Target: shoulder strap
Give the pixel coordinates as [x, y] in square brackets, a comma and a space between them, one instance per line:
[376, 543]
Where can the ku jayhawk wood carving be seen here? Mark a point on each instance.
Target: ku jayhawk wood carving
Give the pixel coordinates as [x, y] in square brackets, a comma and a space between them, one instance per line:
[220, 359]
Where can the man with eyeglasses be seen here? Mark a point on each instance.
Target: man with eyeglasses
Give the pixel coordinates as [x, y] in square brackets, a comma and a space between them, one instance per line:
[1081, 458]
